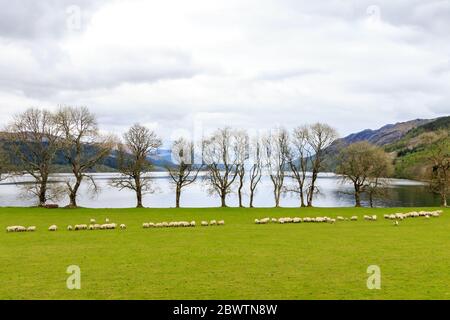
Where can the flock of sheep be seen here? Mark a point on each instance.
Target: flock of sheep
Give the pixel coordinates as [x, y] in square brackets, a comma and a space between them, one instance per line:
[177, 224]
[396, 217]
[92, 226]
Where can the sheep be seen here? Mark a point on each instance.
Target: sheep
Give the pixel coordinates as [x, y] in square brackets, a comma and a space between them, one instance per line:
[340, 218]
[151, 225]
[158, 225]
[69, 228]
[354, 218]
[427, 217]
[107, 220]
[53, 228]
[296, 220]
[205, 223]
[173, 224]
[374, 217]
[92, 221]
[221, 223]
[256, 221]
[80, 227]
[213, 223]
[274, 220]
[192, 224]
[396, 223]
[332, 221]
[31, 229]
[123, 226]
[91, 227]
[15, 229]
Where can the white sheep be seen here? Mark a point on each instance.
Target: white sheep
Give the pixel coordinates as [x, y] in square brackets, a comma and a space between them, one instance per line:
[91, 227]
[31, 229]
[213, 223]
[274, 220]
[192, 224]
[107, 220]
[205, 223]
[53, 228]
[257, 221]
[69, 228]
[340, 218]
[354, 218]
[221, 223]
[332, 221]
[296, 220]
[145, 225]
[395, 223]
[92, 221]
[123, 226]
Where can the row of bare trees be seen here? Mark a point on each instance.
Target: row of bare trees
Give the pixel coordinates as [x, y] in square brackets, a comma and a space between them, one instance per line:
[231, 161]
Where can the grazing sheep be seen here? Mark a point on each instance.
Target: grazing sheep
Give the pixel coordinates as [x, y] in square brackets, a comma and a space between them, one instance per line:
[213, 223]
[354, 218]
[69, 228]
[158, 225]
[123, 226]
[145, 225]
[16, 229]
[374, 217]
[31, 229]
[221, 223]
[205, 223]
[91, 227]
[296, 220]
[256, 221]
[274, 220]
[80, 227]
[53, 228]
[92, 221]
[151, 225]
[192, 224]
[339, 218]
[332, 221]
[427, 217]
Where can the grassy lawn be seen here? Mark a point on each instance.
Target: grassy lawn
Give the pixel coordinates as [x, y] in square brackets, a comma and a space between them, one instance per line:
[240, 260]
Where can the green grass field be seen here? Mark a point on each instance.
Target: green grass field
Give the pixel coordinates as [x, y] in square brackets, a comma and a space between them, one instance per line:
[238, 261]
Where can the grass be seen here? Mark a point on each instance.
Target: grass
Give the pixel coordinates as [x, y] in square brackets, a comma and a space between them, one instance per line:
[238, 261]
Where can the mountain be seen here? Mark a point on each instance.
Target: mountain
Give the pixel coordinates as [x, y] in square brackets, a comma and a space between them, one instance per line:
[404, 140]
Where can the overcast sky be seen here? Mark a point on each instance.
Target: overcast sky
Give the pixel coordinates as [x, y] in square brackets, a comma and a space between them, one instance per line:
[175, 64]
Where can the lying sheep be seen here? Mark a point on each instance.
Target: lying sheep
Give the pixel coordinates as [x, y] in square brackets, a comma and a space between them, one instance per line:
[16, 229]
[53, 228]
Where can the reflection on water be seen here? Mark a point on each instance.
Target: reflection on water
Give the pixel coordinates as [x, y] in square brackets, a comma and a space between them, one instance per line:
[332, 194]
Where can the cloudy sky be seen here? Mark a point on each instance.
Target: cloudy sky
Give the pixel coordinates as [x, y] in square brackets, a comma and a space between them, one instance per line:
[177, 65]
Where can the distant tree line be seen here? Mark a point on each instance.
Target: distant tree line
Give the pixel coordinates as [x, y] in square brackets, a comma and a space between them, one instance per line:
[231, 161]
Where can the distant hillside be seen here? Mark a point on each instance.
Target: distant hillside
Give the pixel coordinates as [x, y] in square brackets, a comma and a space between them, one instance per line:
[413, 149]
[403, 140]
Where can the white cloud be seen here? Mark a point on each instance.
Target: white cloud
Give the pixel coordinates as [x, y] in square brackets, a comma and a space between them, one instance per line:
[253, 64]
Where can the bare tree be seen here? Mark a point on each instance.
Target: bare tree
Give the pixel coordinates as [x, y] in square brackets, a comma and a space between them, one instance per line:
[364, 165]
[221, 161]
[81, 145]
[439, 175]
[320, 137]
[241, 155]
[133, 162]
[255, 172]
[184, 172]
[5, 163]
[297, 157]
[275, 146]
[34, 138]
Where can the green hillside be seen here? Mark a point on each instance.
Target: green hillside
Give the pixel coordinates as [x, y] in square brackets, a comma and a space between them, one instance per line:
[413, 150]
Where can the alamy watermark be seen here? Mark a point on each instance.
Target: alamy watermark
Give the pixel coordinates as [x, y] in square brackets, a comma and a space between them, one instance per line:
[74, 280]
[374, 280]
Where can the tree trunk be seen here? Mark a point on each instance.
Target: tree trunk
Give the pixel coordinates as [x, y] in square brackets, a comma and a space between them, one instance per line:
[251, 198]
[276, 194]
[444, 200]
[223, 196]
[177, 197]
[74, 192]
[302, 199]
[43, 192]
[357, 196]
[240, 195]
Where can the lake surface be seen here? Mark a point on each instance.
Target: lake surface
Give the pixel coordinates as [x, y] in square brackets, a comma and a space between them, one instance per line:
[402, 193]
